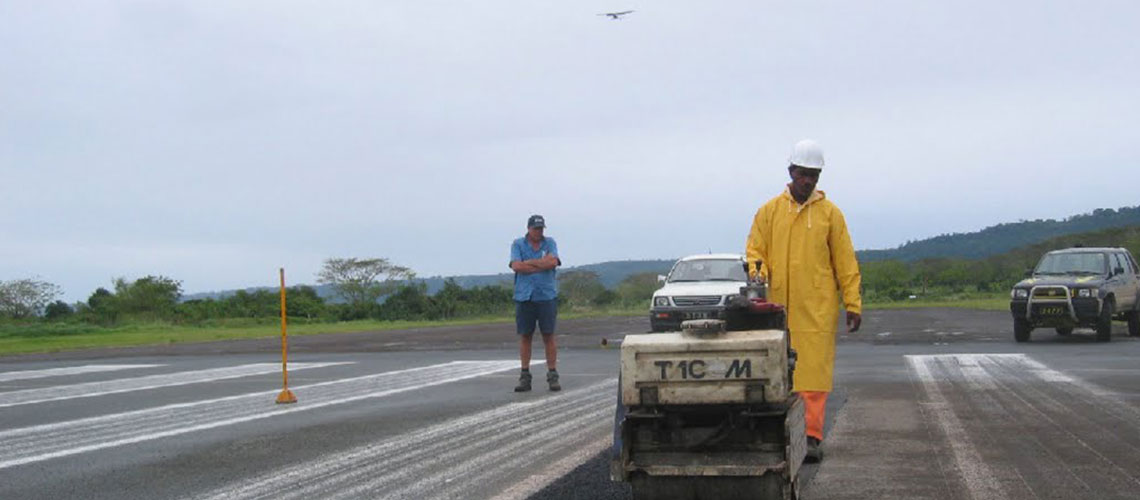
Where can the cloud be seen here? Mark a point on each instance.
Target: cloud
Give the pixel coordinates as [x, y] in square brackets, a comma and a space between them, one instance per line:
[215, 142]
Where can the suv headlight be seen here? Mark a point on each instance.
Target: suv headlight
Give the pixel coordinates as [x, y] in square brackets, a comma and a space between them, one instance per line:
[729, 298]
[1020, 293]
[1083, 292]
[661, 301]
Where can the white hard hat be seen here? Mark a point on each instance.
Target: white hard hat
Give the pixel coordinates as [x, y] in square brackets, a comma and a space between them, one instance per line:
[808, 154]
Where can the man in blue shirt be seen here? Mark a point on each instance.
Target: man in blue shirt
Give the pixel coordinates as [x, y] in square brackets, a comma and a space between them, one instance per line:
[533, 259]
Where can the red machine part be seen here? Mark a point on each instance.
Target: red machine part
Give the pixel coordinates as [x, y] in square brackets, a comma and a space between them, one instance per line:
[762, 306]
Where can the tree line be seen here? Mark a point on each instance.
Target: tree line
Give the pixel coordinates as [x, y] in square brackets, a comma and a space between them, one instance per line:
[364, 289]
[890, 280]
[377, 289]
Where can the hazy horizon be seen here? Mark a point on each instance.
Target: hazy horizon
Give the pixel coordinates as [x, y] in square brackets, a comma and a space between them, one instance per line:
[216, 142]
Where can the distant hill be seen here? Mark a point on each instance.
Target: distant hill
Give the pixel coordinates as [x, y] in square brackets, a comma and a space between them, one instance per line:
[613, 272]
[609, 273]
[1026, 257]
[1029, 238]
[995, 240]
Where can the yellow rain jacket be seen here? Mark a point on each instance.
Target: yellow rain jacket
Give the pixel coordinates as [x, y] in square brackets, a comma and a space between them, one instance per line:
[807, 259]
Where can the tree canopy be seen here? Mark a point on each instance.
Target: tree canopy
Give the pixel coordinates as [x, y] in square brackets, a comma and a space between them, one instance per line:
[26, 298]
[362, 281]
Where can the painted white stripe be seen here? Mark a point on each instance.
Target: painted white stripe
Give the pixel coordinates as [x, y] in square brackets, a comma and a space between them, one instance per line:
[1015, 387]
[1077, 405]
[454, 458]
[530, 440]
[44, 442]
[980, 482]
[70, 370]
[1050, 375]
[535, 483]
[976, 374]
[105, 387]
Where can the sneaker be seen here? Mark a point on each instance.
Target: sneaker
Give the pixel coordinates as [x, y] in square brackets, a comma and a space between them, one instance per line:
[814, 451]
[524, 382]
[552, 379]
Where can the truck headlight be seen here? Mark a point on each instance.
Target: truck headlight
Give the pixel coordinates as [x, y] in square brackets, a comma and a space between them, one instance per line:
[1084, 292]
[730, 298]
[1020, 293]
[661, 301]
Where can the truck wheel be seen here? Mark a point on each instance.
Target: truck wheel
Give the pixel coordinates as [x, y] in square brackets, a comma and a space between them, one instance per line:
[1021, 330]
[1134, 322]
[1104, 324]
[1064, 330]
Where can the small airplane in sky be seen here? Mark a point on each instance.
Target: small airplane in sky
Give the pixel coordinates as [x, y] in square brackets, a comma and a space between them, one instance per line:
[615, 15]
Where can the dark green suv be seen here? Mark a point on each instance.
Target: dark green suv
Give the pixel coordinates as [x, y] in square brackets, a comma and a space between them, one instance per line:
[1078, 287]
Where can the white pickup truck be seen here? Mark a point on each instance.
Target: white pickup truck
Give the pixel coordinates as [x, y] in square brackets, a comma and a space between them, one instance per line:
[698, 287]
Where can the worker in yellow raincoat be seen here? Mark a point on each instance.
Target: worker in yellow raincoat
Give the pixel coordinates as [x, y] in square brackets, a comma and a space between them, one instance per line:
[801, 239]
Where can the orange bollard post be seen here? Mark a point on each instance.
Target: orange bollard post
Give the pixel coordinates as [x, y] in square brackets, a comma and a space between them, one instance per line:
[286, 395]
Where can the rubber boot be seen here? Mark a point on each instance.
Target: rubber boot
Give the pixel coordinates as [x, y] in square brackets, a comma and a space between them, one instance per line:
[524, 382]
[814, 451]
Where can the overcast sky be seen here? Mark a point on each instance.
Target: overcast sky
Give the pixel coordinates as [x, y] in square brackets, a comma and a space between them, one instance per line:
[213, 142]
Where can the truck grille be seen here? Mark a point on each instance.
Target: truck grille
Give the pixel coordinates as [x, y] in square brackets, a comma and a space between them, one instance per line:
[1056, 292]
[697, 300]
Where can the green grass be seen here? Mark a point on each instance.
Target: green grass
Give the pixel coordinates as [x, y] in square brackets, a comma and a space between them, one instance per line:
[57, 337]
[1000, 303]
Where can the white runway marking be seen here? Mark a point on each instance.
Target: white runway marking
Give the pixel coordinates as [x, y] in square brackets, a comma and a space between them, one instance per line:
[44, 442]
[102, 388]
[455, 458]
[1080, 437]
[70, 370]
[980, 481]
[536, 482]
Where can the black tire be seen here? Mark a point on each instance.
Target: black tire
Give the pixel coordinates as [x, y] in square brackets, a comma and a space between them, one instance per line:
[1134, 322]
[1104, 323]
[1021, 330]
[1064, 330]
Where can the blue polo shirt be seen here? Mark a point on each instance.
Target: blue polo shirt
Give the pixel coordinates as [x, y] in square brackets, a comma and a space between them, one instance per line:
[534, 286]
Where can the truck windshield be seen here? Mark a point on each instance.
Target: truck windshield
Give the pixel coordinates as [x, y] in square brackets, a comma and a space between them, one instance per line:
[1071, 263]
[708, 270]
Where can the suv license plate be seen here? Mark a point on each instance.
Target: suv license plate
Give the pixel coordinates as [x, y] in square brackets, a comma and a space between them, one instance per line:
[698, 315]
[1052, 311]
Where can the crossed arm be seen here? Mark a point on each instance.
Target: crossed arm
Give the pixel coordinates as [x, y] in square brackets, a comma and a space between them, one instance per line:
[550, 261]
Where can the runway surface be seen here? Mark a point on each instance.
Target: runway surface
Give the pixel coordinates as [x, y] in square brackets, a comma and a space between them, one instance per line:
[933, 404]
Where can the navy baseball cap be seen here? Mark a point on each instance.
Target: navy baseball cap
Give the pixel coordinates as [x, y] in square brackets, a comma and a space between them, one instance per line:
[535, 221]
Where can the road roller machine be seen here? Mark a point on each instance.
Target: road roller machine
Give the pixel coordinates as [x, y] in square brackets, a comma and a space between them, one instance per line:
[708, 412]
